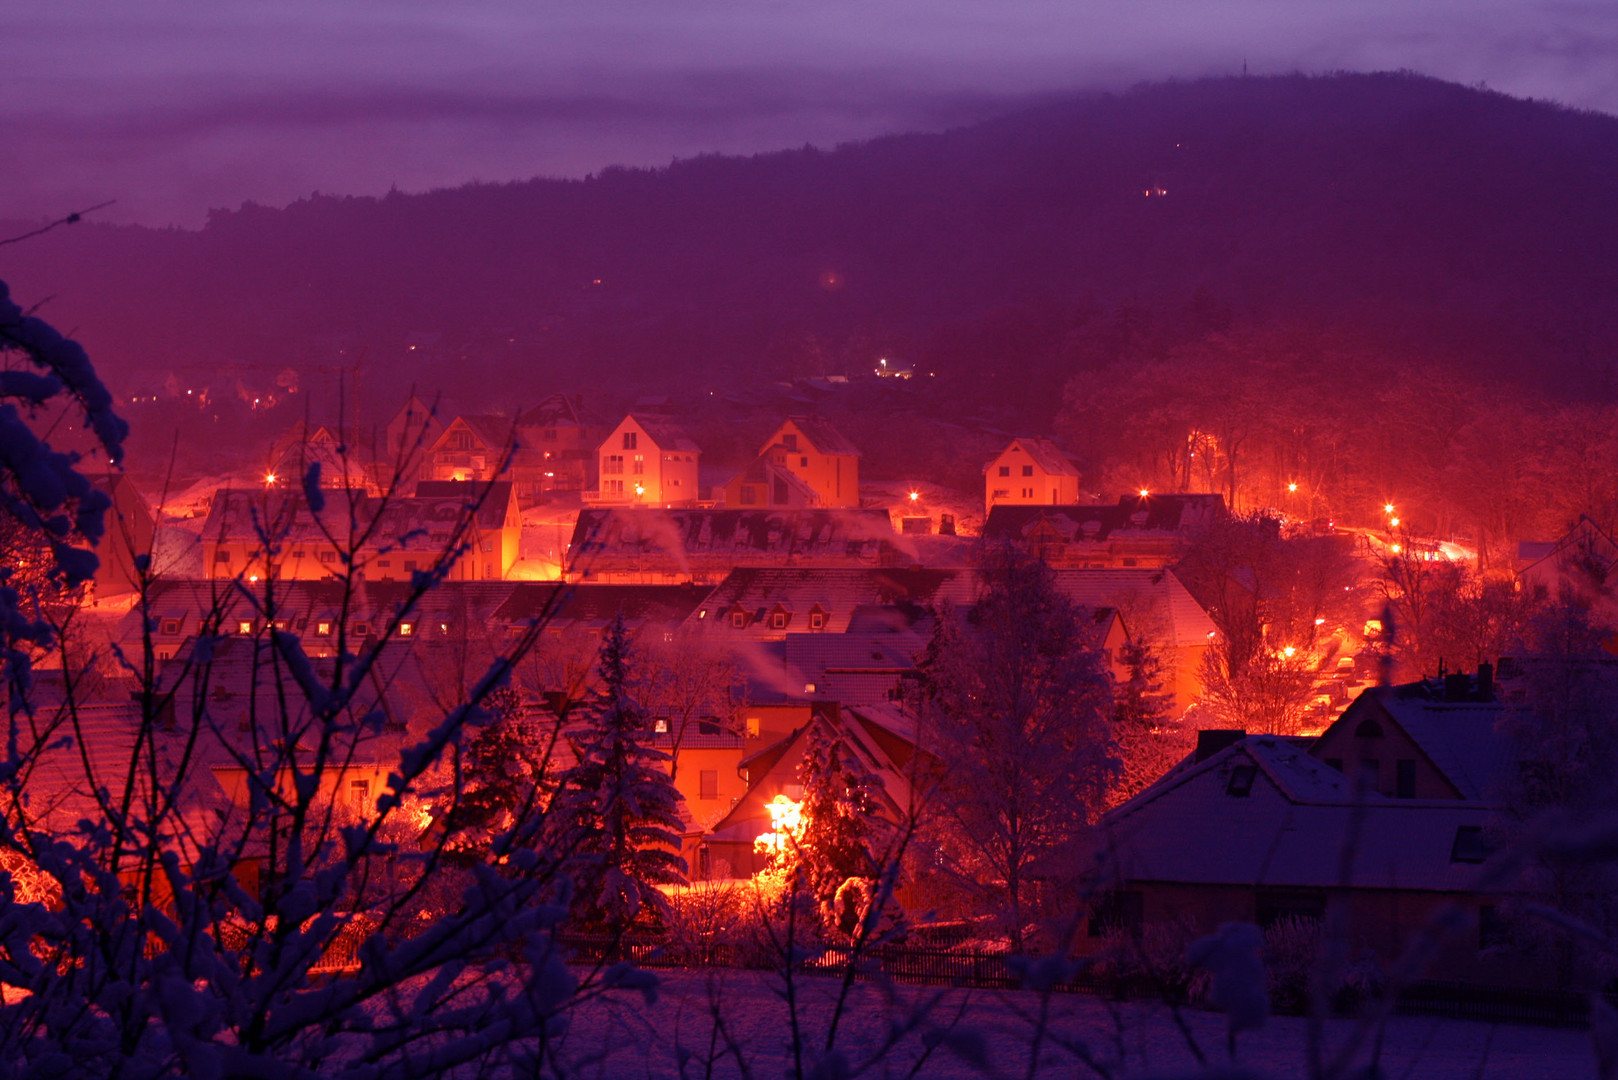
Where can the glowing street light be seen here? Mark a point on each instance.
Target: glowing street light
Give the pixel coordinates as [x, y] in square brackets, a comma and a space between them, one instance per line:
[1394, 522]
[269, 478]
[914, 495]
[1289, 651]
[640, 489]
[1293, 487]
[1144, 493]
[1387, 508]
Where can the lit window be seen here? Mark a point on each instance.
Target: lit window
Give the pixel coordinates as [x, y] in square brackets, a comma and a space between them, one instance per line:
[406, 629]
[323, 629]
[359, 794]
[244, 626]
[661, 725]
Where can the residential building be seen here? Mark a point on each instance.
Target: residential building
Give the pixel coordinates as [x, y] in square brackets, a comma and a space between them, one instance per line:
[819, 455]
[1030, 472]
[647, 461]
[1139, 531]
[563, 437]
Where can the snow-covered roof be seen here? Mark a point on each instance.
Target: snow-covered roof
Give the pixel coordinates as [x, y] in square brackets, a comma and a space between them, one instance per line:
[1041, 452]
[1184, 621]
[823, 437]
[1293, 828]
[656, 539]
[1464, 740]
[665, 433]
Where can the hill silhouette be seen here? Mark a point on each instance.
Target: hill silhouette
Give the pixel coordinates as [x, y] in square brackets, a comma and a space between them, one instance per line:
[1423, 217]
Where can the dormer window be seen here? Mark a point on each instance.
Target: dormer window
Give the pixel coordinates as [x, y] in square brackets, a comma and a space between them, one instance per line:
[170, 626]
[738, 619]
[362, 629]
[244, 626]
[817, 620]
[778, 620]
[407, 629]
[1241, 781]
[323, 628]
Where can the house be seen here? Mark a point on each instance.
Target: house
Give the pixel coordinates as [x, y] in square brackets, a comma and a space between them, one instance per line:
[819, 455]
[408, 436]
[1580, 566]
[647, 461]
[1435, 739]
[563, 438]
[1030, 472]
[1139, 531]
[131, 529]
[881, 737]
[767, 482]
[643, 545]
[291, 458]
[1261, 830]
[478, 447]
[394, 536]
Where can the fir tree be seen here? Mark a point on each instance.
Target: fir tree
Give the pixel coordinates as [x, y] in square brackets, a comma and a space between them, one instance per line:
[503, 775]
[1150, 739]
[843, 826]
[617, 809]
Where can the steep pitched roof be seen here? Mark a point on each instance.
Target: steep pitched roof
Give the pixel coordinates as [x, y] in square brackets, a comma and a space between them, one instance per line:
[1165, 598]
[1290, 830]
[823, 437]
[558, 410]
[1042, 452]
[666, 434]
[1464, 740]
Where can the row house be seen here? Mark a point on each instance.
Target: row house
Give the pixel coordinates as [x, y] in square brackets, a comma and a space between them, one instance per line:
[635, 545]
[1139, 531]
[1030, 472]
[647, 461]
[394, 536]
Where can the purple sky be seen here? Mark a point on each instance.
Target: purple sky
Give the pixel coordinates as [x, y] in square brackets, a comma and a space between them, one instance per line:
[175, 106]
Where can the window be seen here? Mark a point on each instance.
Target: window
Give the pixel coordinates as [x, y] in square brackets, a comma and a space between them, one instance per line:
[359, 794]
[738, 619]
[550, 434]
[323, 629]
[1371, 774]
[244, 626]
[612, 487]
[749, 495]
[708, 784]
[661, 725]
[384, 563]
[1273, 905]
[1405, 778]
[612, 463]
[817, 620]
[753, 727]
[640, 465]
[1028, 493]
[221, 556]
[1000, 493]
[171, 626]
[297, 553]
[407, 629]
[1028, 470]
[1368, 729]
[708, 727]
[1241, 781]
[410, 566]
[631, 439]
[328, 556]
[803, 463]
[1469, 845]
[362, 629]
[790, 441]
[1005, 470]
[1118, 910]
[778, 620]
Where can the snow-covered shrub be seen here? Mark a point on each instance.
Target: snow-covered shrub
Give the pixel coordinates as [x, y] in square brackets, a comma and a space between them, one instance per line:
[1155, 957]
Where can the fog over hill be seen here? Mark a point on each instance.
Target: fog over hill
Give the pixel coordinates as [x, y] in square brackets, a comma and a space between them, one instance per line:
[1422, 218]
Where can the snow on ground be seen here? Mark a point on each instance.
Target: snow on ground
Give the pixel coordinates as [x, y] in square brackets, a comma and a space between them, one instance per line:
[619, 1035]
[546, 531]
[931, 501]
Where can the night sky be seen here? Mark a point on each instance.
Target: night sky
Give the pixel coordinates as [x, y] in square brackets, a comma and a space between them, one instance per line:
[174, 107]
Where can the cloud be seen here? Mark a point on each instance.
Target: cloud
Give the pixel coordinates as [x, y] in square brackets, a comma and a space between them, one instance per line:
[173, 107]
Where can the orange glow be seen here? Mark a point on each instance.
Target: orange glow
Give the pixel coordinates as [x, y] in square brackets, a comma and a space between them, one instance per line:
[1292, 487]
[1387, 508]
[1394, 522]
[1395, 549]
[1290, 651]
[914, 495]
[269, 478]
[1144, 492]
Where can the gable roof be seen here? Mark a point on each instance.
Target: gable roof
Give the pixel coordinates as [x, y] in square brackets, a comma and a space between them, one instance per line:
[823, 437]
[1165, 599]
[654, 539]
[665, 433]
[1042, 452]
[1290, 831]
[556, 411]
[1464, 740]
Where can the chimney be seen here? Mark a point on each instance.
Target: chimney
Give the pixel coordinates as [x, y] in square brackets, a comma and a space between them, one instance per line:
[1457, 686]
[1485, 682]
[1210, 743]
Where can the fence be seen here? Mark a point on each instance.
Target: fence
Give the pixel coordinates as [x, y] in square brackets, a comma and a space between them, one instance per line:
[990, 970]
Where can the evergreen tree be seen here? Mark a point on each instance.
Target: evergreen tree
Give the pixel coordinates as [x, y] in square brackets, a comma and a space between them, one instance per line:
[843, 828]
[1150, 739]
[617, 809]
[502, 777]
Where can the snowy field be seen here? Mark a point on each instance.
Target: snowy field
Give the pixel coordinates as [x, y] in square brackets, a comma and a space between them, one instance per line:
[621, 1036]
